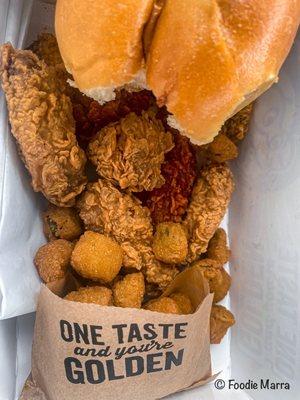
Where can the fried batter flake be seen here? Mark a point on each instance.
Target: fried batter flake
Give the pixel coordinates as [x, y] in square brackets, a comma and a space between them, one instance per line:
[41, 120]
[130, 152]
[207, 208]
[221, 320]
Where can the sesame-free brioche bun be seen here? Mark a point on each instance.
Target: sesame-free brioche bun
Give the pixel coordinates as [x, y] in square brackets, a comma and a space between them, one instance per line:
[204, 60]
[101, 43]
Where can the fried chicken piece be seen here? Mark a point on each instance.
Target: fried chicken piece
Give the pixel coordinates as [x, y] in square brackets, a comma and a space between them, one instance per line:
[61, 223]
[42, 123]
[170, 243]
[97, 257]
[221, 320]
[217, 247]
[218, 279]
[183, 302]
[129, 291]
[131, 151]
[169, 202]
[207, 208]
[105, 209]
[236, 127]
[100, 295]
[53, 259]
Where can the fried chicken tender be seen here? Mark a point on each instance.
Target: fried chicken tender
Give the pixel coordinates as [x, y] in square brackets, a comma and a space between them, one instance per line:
[183, 302]
[217, 247]
[105, 209]
[209, 201]
[129, 291]
[97, 257]
[42, 123]
[218, 279]
[53, 259]
[176, 303]
[131, 151]
[61, 223]
[221, 320]
[170, 243]
[100, 295]
[236, 127]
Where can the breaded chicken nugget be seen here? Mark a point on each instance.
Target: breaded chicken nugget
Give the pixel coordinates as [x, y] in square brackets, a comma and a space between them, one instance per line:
[100, 295]
[217, 247]
[221, 320]
[218, 279]
[207, 208]
[183, 302]
[61, 223]
[129, 291]
[97, 257]
[53, 259]
[170, 244]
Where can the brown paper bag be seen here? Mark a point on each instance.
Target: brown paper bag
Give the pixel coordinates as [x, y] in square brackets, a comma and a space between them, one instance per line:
[85, 351]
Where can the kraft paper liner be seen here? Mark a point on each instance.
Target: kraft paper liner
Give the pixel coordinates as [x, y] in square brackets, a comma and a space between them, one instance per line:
[184, 363]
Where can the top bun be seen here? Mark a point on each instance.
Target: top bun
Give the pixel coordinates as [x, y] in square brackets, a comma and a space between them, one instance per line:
[204, 60]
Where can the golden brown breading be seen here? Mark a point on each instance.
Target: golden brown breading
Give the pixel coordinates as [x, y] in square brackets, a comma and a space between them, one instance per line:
[105, 209]
[183, 302]
[164, 305]
[221, 320]
[222, 149]
[217, 247]
[218, 279]
[236, 127]
[53, 259]
[170, 243]
[207, 208]
[129, 291]
[131, 151]
[97, 257]
[46, 48]
[100, 295]
[61, 223]
[42, 123]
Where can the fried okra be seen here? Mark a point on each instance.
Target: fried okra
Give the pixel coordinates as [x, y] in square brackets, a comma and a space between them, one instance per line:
[218, 279]
[61, 223]
[100, 295]
[97, 257]
[217, 247]
[221, 320]
[170, 244]
[129, 291]
[176, 303]
[53, 259]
